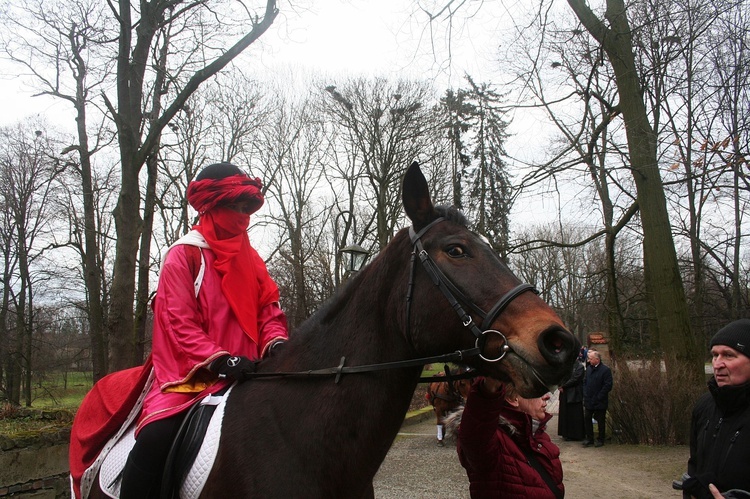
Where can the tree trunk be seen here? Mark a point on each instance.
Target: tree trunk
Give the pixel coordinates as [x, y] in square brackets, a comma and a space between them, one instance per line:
[670, 304]
[92, 274]
[144, 265]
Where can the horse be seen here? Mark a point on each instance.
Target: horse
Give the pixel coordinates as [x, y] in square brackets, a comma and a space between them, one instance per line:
[445, 397]
[302, 428]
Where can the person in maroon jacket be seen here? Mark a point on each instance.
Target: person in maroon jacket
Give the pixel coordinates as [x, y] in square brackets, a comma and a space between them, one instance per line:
[503, 446]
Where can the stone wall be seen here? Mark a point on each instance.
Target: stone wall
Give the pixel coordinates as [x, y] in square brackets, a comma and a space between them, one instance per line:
[35, 466]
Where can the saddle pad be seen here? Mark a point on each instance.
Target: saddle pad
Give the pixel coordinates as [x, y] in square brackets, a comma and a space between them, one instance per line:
[110, 473]
[196, 478]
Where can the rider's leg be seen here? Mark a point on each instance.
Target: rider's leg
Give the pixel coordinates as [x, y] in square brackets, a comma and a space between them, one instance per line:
[141, 477]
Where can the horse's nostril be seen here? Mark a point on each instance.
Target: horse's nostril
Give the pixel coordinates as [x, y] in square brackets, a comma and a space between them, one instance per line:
[557, 346]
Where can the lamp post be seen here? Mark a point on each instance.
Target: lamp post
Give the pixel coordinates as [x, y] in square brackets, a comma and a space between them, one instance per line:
[357, 256]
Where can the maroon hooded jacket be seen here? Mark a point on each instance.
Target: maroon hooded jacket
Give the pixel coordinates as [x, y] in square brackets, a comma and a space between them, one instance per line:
[491, 437]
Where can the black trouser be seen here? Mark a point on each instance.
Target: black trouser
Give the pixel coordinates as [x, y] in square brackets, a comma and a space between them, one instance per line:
[141, 478]
[601, 417]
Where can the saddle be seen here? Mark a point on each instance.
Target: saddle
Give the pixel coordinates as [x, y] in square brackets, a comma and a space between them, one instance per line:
[188, 445]
[190, 459]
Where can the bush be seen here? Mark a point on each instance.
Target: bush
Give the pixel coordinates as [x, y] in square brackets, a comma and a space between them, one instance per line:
[645, 408]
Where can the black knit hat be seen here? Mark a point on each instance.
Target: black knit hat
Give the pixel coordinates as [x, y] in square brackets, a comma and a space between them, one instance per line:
[218, 171]
[735, 335]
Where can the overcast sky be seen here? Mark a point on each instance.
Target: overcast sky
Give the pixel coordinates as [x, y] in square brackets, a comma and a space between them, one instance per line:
[342, 38]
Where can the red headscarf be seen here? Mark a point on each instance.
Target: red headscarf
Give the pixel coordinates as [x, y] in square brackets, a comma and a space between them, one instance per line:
[209, 192]
[244, 278]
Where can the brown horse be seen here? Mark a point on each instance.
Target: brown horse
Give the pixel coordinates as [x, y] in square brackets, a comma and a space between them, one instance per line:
[291, 435]
[446, 396]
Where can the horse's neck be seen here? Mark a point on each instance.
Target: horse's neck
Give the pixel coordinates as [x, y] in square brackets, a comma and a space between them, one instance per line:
[354, 419]
[362, 323]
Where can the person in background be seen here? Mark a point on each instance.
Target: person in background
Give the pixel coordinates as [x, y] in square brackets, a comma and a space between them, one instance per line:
[596, 387]
[720, 424]
[570, 417]
[216, 312]
[503, 445]
[583, 354]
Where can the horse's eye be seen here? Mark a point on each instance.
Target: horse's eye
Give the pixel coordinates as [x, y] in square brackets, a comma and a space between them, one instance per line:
[456, 251]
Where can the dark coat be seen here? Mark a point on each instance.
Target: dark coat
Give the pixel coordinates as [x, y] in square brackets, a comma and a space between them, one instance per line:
[573, 388]
[492, 453]
[720, 439]
[596, 387]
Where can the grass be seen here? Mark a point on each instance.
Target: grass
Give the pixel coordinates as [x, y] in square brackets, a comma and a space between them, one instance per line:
[54, 401]
[59, 391]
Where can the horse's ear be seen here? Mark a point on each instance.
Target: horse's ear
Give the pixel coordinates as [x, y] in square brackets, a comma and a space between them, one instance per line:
[416, 197]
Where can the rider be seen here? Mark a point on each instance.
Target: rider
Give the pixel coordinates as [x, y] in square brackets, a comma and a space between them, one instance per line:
[216, 312]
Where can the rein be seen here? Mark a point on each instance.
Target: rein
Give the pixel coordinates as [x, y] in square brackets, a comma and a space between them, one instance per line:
[337, 371]
[455, 298]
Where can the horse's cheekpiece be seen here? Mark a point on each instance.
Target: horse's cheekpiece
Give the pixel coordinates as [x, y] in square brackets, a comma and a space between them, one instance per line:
[456, 298]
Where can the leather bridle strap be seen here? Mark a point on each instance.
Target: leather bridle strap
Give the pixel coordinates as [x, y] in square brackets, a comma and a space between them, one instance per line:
[454, 295]
[504, 301]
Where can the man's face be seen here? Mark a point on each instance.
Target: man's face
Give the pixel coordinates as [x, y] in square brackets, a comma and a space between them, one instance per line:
[593, 359]
[730, 366]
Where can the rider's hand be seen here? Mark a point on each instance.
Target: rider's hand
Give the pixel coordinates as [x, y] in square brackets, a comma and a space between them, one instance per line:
[236, 367]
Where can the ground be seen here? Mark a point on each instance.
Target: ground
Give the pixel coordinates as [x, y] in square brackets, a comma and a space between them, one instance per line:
[417, 468]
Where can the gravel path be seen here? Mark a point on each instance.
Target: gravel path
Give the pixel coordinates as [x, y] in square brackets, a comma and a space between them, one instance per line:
[417, 468]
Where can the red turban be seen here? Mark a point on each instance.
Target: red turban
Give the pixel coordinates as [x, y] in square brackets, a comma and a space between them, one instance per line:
[210, 192]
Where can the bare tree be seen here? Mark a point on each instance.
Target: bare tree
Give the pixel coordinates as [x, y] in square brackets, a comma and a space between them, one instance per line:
[731, 64]
[27, 174]
[59, 46]
[290, 149]
[387, 125]
[660, 258]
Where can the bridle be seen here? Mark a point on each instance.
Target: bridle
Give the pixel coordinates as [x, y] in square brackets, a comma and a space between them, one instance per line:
[457, 299]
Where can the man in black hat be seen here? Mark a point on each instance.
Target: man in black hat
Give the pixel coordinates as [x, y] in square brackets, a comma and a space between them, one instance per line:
[720, 426]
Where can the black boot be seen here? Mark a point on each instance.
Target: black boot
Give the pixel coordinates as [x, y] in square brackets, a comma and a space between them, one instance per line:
[138, 483]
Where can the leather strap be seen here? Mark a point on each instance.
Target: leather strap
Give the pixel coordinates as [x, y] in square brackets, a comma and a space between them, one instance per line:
[543, 473]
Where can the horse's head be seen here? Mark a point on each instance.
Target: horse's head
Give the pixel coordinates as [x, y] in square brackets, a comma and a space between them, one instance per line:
[508, 322]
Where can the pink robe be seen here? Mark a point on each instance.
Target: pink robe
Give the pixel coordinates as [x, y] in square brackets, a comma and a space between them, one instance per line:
[189, 333]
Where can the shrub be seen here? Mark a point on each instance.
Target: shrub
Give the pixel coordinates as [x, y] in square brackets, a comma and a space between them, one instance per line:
[645, 408]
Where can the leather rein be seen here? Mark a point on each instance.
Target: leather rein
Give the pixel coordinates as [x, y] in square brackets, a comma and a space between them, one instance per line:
[455, 298]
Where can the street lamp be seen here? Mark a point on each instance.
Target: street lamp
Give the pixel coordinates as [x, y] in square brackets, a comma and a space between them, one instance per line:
[357, 257]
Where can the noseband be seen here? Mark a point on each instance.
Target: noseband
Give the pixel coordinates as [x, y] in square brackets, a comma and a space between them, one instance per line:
[457, 299]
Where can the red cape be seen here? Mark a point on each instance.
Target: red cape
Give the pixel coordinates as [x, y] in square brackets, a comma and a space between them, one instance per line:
[103, 411]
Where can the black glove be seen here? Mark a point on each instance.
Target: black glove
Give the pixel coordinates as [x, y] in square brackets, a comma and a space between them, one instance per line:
[237, 367]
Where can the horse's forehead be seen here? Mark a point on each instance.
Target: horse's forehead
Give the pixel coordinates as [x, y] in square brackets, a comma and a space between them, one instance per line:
[452, 229]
